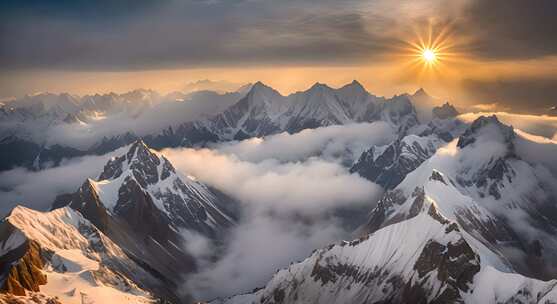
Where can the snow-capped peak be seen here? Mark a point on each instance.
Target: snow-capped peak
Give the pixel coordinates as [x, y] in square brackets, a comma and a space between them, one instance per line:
[145, 165]
[421, 93]
[259, 89]
[319, 86]
[487, 129]
[354, 88]
[143, 179]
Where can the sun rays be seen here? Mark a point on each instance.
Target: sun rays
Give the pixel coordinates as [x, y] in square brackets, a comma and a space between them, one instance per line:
[430, 52]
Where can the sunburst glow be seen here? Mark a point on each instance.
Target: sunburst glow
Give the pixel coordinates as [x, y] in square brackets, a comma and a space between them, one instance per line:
[429, 55]
[431, 52]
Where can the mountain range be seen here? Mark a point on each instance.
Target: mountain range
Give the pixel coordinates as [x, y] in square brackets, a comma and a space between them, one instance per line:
[160, 120]
[467, 215]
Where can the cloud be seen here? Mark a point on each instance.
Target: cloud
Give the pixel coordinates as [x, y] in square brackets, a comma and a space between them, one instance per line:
[510, 28]
[535, 124]
[292, 189]
[521, 93]
[329, 143]
[312, 187]
[38, 190]
[485, 107]
[141, 120]
[538, 150]
[258, 248]
[224, 32]
[217, 33]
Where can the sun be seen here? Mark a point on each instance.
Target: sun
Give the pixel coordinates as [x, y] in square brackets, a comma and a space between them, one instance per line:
[431, 51]
[429, 55]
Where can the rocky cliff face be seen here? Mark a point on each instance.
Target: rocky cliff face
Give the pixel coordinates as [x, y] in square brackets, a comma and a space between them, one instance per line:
[25, 271]
[61, 253]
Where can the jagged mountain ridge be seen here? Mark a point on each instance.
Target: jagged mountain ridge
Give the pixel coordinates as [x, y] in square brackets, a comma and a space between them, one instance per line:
[446, 234]
[264, 111]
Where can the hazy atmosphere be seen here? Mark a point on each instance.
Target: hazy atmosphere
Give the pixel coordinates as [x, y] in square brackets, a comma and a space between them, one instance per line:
[278, 152]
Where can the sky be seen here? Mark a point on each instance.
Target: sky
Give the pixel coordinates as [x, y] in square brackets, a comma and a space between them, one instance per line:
[499, 52]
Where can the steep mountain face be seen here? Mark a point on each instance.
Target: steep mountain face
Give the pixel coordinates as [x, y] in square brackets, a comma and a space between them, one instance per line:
[389, 165]
[63, 255]
[186, 202]
[472, 224]
[264, 111]
[145, 206]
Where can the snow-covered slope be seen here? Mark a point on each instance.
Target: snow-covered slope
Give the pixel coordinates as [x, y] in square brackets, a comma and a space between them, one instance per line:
[63, 255]
[424, 259]
[472, 224]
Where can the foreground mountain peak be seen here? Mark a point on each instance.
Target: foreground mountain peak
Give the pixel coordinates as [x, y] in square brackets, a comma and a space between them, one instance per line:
[143, 180]
[72, 257]
[142, 162]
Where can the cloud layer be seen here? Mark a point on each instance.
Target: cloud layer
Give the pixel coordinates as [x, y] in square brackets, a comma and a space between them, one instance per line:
[330, 143]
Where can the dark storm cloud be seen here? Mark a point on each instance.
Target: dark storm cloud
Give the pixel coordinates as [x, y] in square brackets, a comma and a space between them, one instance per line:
[526, 95]
[512, 29]
[154, 34]
[144, 34]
